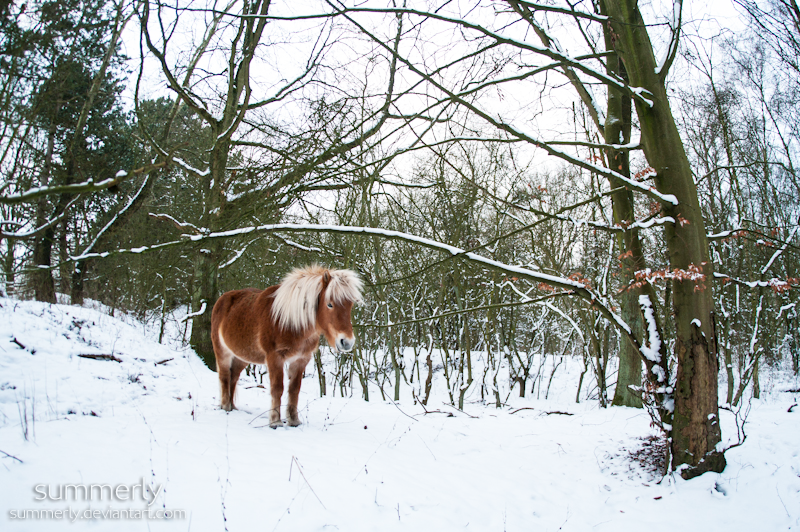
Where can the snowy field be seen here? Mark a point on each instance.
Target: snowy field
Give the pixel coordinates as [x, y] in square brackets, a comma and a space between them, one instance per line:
[146, 424]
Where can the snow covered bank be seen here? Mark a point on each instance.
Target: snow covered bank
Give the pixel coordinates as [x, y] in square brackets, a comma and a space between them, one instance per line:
[141, 412]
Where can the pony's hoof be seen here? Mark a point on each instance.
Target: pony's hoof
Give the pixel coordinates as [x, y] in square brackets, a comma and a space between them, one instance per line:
[294, 423]
[228, 407]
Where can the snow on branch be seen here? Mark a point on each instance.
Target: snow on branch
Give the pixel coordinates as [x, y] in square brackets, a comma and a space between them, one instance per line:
[184, 227]
[778, 285]
[301, 247]
[129, 251]
[577, 288]
[754, 338]
[76, 188]
[200, 312]
[791, 311]
[573, 287]
[646, 224]
[617, 228]
[651, 349]
[133, 199]
[732, 233]
[564, 11]
[672, 50]
[691, 273]
[237, 254]
[778, 253]
[189, 168]
[564, 315]
[33, 232]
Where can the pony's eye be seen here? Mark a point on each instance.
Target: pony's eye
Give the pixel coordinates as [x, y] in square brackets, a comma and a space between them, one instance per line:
[330, 305]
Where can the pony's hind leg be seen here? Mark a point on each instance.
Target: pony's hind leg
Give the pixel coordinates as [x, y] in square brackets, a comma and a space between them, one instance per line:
[237, 365]
[296, 369]
[225, 358]
[275, 369]
[225, 397]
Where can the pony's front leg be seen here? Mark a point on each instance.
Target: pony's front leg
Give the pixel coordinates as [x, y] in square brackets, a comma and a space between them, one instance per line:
[296, 369]
[275, 368]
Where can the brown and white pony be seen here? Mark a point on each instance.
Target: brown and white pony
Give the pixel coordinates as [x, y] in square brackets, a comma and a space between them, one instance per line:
[281, 326]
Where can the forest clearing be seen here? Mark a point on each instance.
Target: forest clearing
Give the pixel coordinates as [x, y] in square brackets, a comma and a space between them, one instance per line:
[534, 464]
[570, 232]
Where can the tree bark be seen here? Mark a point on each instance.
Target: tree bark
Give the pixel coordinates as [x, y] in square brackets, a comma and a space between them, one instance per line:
[696, 431]
[205, 286]
[44, 288]
[617, 130]
[205, 293]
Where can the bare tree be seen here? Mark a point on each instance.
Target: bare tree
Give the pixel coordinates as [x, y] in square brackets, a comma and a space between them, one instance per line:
[695, 433]
[255, 167]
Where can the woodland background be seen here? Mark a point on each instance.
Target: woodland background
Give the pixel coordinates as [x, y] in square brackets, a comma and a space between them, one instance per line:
[513, 181]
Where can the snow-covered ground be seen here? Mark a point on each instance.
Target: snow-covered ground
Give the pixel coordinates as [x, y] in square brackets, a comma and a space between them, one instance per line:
[147, 425]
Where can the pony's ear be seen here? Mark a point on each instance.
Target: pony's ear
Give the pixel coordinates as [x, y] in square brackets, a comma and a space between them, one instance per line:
[326, 280]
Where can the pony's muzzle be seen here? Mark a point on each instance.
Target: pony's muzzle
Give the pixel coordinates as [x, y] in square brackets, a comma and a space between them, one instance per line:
[345, 344]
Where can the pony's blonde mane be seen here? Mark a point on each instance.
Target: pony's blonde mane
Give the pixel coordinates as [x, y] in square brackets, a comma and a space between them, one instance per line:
[295, 303]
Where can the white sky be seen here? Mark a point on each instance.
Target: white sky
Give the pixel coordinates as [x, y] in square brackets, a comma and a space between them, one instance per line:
[518, 103]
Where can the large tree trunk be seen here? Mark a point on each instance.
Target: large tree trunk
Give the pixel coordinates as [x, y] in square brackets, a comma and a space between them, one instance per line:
[9, 269]
[44, 288]
[205, 289]
[630, 360]
[696, 430]
[205, 293]
[43, 282]
[618, 131]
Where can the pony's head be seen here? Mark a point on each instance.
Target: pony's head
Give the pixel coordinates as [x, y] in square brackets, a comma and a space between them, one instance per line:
[320, 298]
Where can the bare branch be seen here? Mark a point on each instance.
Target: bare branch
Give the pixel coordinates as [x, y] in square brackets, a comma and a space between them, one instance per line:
[76, 188]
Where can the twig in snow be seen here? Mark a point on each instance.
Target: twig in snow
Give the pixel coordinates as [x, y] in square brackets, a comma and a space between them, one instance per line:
[258, 416]
[449, 414]
[455, 407]
[12, 456]
[299, 468]
[741, 420]
[523, 408]
[413, 394]
[559, 413]
[783, 503]
[99, 357]
[15, 341]
[397, 407]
